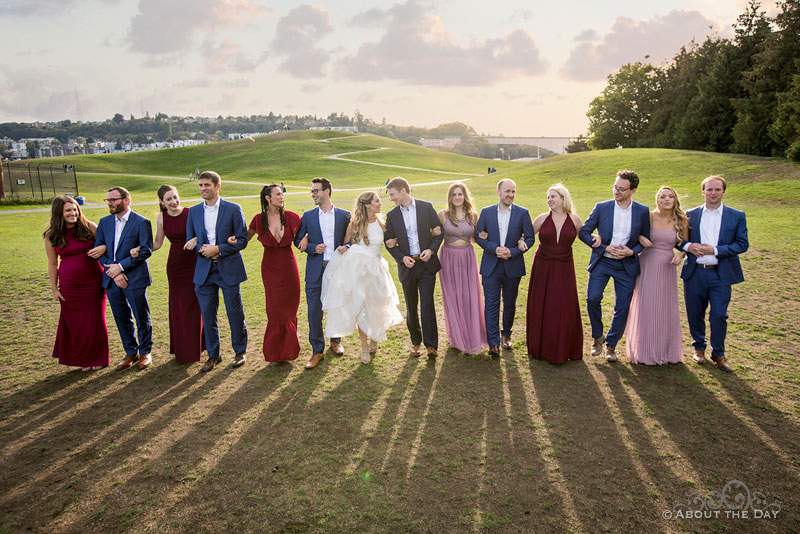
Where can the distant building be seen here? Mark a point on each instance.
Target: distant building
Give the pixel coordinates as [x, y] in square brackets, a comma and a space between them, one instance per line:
[353, 129]
[439, 144]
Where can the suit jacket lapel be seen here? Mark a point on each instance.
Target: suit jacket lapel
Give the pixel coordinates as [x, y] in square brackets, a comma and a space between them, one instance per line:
[402, 235]
[607, 223]
[219, 219]
[124, 232]
[422, 228]
[317, 227]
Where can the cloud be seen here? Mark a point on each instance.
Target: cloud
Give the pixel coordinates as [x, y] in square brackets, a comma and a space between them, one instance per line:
[26, 8]
[227, 55]
[630, 40]
[163, 28]
[296, 39]
[311, 88]
[416, 49]
[39, 95]
[520, 14]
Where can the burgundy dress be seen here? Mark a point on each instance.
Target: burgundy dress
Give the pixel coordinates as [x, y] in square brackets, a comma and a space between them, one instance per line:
[185, 321]
[281, 290]
[82, 336]
[554, 329]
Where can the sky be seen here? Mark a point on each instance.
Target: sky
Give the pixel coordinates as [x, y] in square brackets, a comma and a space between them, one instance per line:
[518, 68]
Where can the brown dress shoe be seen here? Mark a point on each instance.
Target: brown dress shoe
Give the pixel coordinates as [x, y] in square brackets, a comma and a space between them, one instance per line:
[239, 360]
[337, 348]
[506, 342]
[722, 363]
[145, 360]
[432, 354]
[314, 360]
[699, 357]
[416, 351]
[210, 364]
[611, 353]
[597, 345]
[494, 351]
[127, 362]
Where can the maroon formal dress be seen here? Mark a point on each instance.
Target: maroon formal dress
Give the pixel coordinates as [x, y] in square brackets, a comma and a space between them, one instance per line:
[281, 290]
[185, 321]
[82, 336]
[554, 329]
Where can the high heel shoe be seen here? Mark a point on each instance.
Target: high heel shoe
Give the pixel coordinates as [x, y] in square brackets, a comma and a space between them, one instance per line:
[365, 357]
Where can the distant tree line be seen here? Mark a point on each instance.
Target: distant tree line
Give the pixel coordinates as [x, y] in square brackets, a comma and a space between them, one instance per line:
[737, 95]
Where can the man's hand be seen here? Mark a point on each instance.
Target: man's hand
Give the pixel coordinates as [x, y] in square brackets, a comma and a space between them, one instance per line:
[121, 281]
[96, 252]
[209, 251]
[701, 250]
[113, 270]
[619, 251]
[408, 261]
[426, 254]
[503, 253]
[319, 249]
[706, 249]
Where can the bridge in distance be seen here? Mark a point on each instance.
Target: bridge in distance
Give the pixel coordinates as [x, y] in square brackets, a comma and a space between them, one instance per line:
[554, 144]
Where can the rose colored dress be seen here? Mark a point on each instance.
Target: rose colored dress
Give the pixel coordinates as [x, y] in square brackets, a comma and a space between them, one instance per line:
[654, 321]
[82, 336]
[185, 320]
[461, 290]
[554, 329]
[281, 289]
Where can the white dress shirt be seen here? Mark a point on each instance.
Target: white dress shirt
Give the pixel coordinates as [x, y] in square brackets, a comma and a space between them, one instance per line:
[622, 226]
[710, 223]
[410, 220]
[327, 224]
[503, 220]
[210, 214]
[119, 226]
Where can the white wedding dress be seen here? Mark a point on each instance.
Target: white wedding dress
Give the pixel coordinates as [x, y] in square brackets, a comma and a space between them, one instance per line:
[357, 290]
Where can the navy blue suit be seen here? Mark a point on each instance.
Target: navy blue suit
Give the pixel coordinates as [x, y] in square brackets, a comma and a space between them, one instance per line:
[601, 268]
[703, 286]
[500, 275]
[225, 272]
[309, 225]
[129, 303]
[419, 282]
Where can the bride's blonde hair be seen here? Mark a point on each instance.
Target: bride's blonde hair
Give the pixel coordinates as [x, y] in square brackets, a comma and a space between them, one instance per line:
[361, 217]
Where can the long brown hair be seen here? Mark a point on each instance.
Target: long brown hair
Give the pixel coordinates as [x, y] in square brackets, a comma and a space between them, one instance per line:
[469, 209]
[361, 217]
[679, 218]
[55, 233]
[266, 192]
[163, 191]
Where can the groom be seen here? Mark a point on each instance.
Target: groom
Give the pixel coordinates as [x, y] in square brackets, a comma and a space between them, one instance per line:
[325, 227]
[615, 254]
[413, 223]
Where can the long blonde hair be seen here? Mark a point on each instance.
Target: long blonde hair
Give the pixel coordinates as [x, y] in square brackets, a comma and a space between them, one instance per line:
[679, 218]
[361, 217]
[469, 209]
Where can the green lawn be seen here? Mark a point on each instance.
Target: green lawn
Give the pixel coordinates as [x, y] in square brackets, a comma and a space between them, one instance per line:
[461, 444]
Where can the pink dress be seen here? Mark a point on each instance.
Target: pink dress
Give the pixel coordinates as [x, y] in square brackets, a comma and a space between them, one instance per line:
[654, 322]
[461, 290]
[82, 336]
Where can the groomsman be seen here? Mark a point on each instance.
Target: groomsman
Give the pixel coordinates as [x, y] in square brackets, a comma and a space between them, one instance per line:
[615, 254]
[219, 266]
[126, 278]
[413, 224]
[325, 228]
[498, 232]
[717, 235]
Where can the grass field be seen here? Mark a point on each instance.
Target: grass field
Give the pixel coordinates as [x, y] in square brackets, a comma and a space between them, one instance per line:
[460, 444]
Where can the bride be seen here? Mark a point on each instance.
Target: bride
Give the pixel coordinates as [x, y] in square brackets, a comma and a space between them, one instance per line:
[357, 290]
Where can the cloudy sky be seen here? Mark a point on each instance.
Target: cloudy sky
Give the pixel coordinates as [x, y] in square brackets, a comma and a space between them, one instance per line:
[503, 66]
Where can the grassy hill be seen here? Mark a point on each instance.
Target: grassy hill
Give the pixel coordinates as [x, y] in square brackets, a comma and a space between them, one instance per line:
[460, 444]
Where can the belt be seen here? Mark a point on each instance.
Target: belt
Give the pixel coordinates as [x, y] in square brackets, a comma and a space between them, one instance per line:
[324, 263]
[704, 266]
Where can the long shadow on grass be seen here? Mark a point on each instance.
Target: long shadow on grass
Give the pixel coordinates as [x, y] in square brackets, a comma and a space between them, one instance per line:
[596, 467]
[64, 462]
[719, 445]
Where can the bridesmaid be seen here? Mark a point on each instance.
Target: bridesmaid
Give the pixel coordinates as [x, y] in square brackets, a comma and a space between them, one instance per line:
[185, 320]
[554, 330]
[461, 291]
[654, 325]
[75, 281]
[276, 229]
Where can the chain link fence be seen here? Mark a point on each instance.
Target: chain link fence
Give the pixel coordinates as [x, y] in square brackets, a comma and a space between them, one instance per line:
[23, 181]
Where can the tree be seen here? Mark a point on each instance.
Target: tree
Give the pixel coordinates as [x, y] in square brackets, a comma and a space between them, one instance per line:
[30, 146]
[578, 144]
[621, 114]
[118, 118]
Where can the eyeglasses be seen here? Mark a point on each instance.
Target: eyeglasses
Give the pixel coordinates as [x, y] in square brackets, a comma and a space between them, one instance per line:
[112, 200]
[316, 191]
[621, 189]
